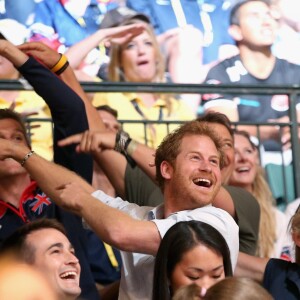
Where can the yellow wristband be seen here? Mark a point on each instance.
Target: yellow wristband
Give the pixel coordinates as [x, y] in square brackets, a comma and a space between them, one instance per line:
[61, 62]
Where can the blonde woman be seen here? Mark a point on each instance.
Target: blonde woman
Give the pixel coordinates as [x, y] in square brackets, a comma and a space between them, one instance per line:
[272, 237]
[139, 59]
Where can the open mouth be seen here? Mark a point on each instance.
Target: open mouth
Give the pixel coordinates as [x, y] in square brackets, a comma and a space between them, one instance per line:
[70, 275]
[143, 62]
[203, 182]
[243, 169]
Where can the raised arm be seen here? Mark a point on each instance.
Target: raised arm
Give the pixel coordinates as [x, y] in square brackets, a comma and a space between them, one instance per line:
[49, 58]
[77, 53]
[73, 193]
[101, 145]
[67, 109]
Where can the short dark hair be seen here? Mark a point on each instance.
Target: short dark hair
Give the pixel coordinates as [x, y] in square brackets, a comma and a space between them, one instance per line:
[6, 113]
[178, 240]
[108, 109]
[217, 117]
[16, 244]
[234, 18]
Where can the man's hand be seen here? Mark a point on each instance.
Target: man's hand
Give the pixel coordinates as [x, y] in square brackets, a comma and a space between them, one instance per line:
[72, 197]
[42, 52]
[89, 141]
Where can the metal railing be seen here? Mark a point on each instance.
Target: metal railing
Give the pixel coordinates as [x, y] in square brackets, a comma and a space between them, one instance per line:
[292, 91]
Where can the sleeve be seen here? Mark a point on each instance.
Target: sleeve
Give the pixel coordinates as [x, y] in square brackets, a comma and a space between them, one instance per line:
[131, 209]
[68, 115]
[140, 189]
[248, 215]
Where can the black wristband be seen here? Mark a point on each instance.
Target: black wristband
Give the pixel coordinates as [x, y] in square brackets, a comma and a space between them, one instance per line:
[122, 141]
[62, 68]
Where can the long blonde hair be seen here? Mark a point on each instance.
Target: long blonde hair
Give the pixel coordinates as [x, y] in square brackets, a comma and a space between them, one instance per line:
[267, 224]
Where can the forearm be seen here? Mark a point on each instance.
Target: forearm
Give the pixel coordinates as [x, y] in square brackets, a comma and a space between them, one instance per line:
[94, 120]
[51, 176]
[250, 266]
[119, 229]
[77, 53]
[12, 53]
[114, 165]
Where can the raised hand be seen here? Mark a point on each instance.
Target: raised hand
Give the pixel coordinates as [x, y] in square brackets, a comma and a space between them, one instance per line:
[90, 141]
[121, 34]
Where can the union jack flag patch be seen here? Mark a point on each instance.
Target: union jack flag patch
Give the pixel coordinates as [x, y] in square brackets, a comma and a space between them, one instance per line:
[39, 203]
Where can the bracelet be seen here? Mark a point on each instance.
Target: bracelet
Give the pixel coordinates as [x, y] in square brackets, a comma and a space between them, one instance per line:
[29, 154]
[60, 64]
[132, 145]
[122, 141]
[62, 68]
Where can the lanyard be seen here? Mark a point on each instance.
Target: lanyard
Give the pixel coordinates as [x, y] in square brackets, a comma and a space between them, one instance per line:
[139, 111]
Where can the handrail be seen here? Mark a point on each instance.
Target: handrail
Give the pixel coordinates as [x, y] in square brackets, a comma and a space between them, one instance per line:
[291, 90]
[91, 87]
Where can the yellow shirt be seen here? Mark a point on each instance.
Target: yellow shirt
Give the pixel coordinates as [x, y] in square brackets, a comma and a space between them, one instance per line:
[41, 137]
[122, 102]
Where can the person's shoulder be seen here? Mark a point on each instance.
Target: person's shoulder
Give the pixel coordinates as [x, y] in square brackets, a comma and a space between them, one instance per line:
[281, 265]
[283, 63]
[212, 214]
[242, 198]
[220, 70]
[228, 62]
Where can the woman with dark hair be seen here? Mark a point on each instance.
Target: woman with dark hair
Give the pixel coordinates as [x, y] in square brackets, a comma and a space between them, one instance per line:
[190, 252]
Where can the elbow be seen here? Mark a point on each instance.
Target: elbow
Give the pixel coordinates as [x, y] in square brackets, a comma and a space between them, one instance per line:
[118, 237]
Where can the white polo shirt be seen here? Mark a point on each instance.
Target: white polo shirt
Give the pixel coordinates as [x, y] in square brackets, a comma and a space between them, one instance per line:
[137, 271]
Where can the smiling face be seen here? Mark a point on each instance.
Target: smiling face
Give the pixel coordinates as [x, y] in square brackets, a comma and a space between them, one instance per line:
[11, 130]
[54, 255]
[200, 265]
[257, 26]
[246, 162]
[196, 177]
[138, 59]
[227, 145]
